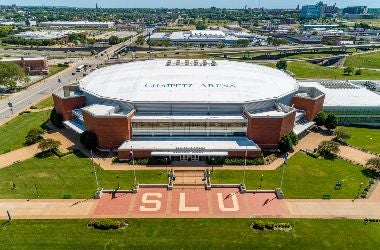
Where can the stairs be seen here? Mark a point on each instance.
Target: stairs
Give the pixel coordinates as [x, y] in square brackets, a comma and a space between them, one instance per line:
[189, 179]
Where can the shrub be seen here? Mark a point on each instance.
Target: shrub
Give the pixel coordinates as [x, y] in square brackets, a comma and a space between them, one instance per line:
[285, 144]
[241, 161]
[107, 224]
[328, 148]
[294, 138]
[269, 225]
[258, 225]
[33, 107]
[320, 118]
[48, 145]
[358, 72]
[282, 65]
[331, 121]
[89, 139]
[34, 135]
[341, 134]
[56, 119]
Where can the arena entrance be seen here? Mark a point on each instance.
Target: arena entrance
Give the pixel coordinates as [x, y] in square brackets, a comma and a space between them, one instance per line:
[189, 158]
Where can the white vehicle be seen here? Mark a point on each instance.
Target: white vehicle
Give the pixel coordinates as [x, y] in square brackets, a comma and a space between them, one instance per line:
[80, 68]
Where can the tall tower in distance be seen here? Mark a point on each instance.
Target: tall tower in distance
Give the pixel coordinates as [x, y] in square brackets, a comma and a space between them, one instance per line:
[96, 6]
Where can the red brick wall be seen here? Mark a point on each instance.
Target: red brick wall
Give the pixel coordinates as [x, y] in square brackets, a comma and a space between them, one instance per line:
[110, 131]
[136, 154]
[311, 106]
[267, 132]
[64, 106]
[33, 65]
[241, 154]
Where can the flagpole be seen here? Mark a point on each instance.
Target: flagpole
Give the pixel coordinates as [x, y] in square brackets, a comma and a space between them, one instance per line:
[133, 165]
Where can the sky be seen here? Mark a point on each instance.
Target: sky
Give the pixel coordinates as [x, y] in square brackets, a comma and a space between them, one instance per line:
[188, 3]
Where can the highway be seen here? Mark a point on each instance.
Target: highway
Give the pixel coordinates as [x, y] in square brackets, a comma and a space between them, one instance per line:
[33, 94]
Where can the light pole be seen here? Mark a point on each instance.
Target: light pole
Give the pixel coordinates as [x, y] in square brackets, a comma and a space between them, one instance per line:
[166, 166]
[360, 188]
[118, 183]
[283, 169]
[96, 176]
[245, 165]
[261, 180]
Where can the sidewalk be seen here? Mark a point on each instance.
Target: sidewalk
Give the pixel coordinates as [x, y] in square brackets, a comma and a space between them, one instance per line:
[21, 154]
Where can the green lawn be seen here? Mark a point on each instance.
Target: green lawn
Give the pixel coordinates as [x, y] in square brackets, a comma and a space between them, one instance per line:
[48, 102]
[367, 60]
[366, 138]
[54, 69]
[309, 70]
[190, 234]
[305, 177]
[72, 175]
[12, 134]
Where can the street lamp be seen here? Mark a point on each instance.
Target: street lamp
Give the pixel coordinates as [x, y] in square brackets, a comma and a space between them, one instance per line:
[118, 183]
[283, 168]
[261, 180]
[166, 164]
[245, 165]
[93, 165]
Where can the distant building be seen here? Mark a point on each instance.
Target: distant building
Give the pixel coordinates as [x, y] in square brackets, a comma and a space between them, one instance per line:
[356, 10]
[78, 24]
[313, 11]
[32, 66]
[211, 37]
[46, 34]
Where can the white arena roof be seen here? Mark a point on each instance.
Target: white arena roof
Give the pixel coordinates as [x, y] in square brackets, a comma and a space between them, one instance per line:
[190, 81]
[337, 96]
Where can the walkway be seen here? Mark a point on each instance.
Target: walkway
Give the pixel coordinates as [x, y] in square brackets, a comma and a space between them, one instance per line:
[21, 154]
[192, 203]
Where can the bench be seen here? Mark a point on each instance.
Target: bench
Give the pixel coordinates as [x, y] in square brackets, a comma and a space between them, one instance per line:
[326, 197]
[67, 196]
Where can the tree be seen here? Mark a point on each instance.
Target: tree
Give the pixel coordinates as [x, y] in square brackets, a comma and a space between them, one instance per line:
[11, 74]
[114, 40]
[358, 72]
[140, 40]
[282, 65]
[331, 121]
[48, 145]
[294, 138]
[348, 70]
[34, 135]
[328, 148]
[374, 163]
[89, 139]
[56, 119]
[285, 144]
[201, 26]
[341, 134]
[320, 118]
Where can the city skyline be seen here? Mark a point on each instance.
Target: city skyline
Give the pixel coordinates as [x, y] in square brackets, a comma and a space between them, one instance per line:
[188, 4]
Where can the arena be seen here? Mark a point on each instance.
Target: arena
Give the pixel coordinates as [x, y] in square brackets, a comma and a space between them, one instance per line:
[188, 110]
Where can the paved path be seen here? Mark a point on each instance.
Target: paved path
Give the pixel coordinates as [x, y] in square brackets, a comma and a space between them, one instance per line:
[21, 154]
[355, 155]
[192, 203]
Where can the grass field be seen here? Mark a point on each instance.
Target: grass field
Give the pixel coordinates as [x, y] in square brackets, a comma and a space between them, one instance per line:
[12, 133]
[366, 138]
[305, 177]
[367, 60]
[72, 175]
[48, 102]
[190, 234]
[309, 70]
[54, 69]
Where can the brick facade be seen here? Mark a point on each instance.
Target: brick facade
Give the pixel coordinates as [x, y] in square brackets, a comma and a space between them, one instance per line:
[110, 131]
[124, 154]
[65, 105]
[33, 65]
[241, 154]
[309, 105]
[267, 131]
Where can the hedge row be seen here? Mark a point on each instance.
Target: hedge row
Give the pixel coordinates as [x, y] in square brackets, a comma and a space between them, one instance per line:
[107, 224]
[151, 161]
[236, 161]
[269, 225]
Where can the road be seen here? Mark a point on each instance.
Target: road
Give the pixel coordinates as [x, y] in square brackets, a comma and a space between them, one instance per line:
[25, 98]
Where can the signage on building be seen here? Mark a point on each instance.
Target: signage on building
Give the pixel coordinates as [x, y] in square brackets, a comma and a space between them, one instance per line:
[189, 85]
